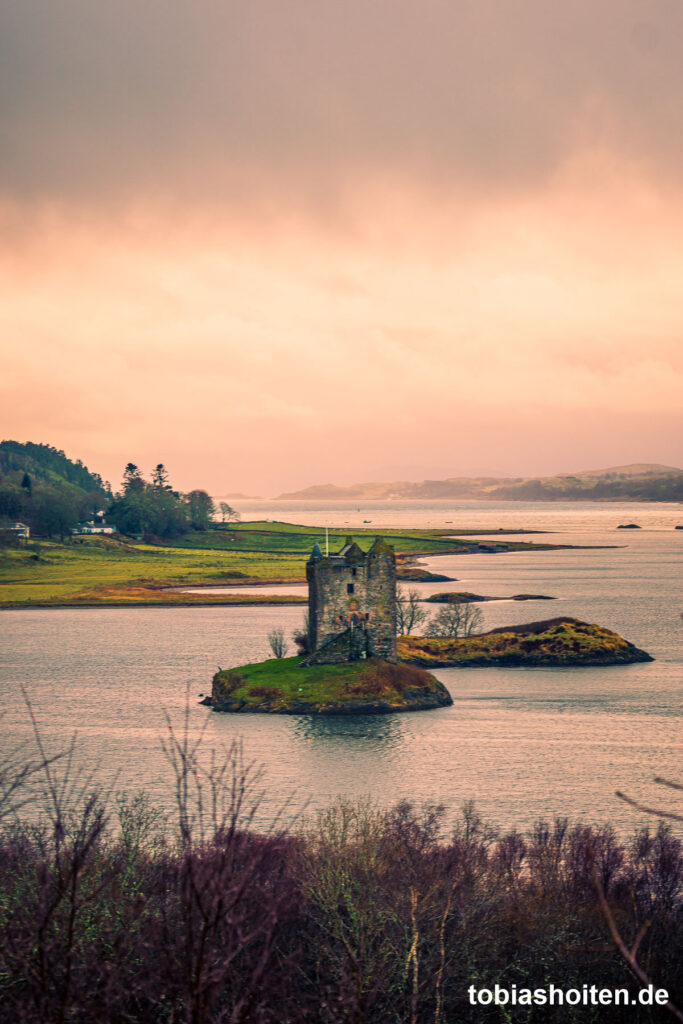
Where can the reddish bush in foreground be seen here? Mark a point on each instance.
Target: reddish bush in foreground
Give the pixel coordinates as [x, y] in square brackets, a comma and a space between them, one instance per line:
[360, 915]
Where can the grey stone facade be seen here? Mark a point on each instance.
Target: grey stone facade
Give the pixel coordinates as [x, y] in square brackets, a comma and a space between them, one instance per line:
[352, 603]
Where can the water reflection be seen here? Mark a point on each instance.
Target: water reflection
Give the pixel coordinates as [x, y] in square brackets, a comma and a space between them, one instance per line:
[523, 743]
[347, 733]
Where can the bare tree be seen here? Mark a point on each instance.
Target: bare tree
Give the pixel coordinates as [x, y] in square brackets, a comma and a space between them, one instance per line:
[218, 869]
[228, 513]
[278, 644]
[630, 953]
[453, 620]
[409, 614]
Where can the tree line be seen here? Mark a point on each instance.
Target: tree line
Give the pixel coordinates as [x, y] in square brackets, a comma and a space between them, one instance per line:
[152, 509]
[49, 509]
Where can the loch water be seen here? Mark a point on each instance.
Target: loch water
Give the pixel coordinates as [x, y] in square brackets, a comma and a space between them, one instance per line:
[523, 743]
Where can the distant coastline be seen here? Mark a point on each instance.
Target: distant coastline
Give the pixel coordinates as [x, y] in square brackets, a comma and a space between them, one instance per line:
[637, 482]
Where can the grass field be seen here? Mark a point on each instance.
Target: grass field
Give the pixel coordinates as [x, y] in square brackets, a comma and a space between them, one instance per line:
[106, 571]
[288, 537]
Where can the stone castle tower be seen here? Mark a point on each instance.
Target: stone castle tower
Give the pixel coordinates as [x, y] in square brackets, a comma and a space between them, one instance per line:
[352, 604]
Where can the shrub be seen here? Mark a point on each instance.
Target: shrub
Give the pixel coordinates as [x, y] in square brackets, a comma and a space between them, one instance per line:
[278, 644]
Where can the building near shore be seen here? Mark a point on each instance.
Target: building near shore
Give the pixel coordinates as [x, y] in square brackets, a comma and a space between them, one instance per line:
[19, 530]
[96, 526]
[352, 603]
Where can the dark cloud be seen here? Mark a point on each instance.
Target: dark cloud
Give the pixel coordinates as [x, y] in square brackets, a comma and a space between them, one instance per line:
[222, 99]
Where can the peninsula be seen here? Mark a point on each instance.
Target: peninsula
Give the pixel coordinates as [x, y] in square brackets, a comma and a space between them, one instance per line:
[122, 571]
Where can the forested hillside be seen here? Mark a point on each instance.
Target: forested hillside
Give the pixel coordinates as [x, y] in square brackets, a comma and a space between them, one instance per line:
[48, 465]
[49, 492]
[43, 488]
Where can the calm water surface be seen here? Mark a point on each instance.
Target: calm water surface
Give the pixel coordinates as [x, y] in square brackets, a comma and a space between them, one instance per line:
[523, 743]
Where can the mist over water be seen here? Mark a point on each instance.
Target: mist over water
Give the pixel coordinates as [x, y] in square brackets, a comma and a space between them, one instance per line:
[523, 743]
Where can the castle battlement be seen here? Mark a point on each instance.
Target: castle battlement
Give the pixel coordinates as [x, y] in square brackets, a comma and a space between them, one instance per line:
[352, 603]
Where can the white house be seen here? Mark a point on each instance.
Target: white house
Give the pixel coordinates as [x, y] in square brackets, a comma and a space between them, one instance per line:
[20, 530]
[96, 527]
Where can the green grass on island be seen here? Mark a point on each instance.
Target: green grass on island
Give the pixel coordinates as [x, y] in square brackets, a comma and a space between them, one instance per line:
[559, 642]
[86, 571]
[283, 686]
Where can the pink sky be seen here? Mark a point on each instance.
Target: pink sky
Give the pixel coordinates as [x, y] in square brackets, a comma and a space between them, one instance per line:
[280, 244]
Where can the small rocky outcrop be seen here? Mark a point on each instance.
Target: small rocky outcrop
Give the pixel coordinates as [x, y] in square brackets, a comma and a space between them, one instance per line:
[413, 574]
[554, 642]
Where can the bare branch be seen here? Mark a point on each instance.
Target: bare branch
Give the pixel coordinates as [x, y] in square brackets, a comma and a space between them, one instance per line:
[656, 811]
[628, 955]
[667, 782]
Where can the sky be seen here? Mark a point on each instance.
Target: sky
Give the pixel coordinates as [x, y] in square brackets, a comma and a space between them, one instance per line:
[274, 244]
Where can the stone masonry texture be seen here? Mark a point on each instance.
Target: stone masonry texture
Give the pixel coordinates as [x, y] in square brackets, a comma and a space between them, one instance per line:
[352, 603]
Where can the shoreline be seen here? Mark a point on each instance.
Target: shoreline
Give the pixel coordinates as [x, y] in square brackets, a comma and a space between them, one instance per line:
[241, 602]
[155, 592]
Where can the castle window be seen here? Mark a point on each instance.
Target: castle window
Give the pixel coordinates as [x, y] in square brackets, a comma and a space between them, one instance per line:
[354, 571]
[349, 588]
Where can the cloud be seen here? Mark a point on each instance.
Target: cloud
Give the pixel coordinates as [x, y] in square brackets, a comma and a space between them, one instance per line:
[239, 360]
[267, 102]
[273, 243]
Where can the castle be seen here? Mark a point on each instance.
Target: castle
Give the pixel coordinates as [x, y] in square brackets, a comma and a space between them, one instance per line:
[351, 604]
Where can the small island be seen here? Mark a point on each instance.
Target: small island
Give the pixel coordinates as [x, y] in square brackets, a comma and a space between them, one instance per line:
[283, 686]
[413, 574]
[350, 660]
[557, 642]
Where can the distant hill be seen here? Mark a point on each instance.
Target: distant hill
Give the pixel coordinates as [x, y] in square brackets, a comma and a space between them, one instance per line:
[636, 482]
[45, 464]
[237, 495]
[634, 469]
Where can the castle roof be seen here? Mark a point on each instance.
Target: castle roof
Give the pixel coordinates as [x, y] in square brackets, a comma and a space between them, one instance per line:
[351, 553]
[380, 546]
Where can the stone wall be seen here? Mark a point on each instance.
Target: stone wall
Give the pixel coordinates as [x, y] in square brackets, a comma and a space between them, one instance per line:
[351, 645]
[354, 591]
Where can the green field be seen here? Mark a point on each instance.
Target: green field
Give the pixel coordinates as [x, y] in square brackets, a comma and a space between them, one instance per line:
[287, 537]
[106, 571]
